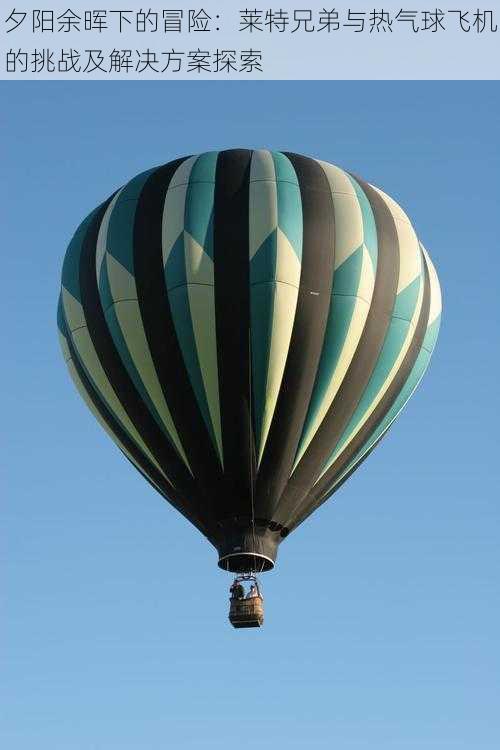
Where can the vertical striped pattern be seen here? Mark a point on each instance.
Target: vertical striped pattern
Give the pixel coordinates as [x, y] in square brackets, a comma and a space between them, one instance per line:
[247, 325]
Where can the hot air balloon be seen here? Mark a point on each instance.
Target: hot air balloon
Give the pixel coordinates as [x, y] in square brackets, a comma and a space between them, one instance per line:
[246, 326]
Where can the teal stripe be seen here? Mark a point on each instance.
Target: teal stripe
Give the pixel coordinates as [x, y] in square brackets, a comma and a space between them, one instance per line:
[198, 221]
[262, 302]
[406, 300]
[175, 267]
[348, 275]
[119, 242]
[263, 270]
[119, 239]
[432, 334]
[104, 287]
[283, 168]
[133, 189]
[204, 168]
[369, 224]
[289, 202]
[199, 207]
[263, 263]
[61, 321]
[71, 265]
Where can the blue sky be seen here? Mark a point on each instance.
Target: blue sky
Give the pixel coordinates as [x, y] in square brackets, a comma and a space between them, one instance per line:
[382, 616]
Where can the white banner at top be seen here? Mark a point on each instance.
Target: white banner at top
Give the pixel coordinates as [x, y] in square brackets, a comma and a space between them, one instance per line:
[161, 40]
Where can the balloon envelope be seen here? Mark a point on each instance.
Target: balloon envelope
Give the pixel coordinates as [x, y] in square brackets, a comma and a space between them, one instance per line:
[246, 325]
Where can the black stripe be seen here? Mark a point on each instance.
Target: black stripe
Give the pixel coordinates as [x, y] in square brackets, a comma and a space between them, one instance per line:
[360, 370]
[118, 376]
[320, 492]
[144, 465]
[232, 314]
[308, 332]
[162, 338]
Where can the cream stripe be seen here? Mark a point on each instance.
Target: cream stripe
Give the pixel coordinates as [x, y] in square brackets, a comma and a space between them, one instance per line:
[199, 265]
[181, 176]
[129, 319]
[262, 166]
[338, 179]
[102, 235]
[410, 263]
[263, 211]
[367, 280]
[284, 306]
[83, 393]
[436, 302]
[121, 282]
[410, 257]
[288, 266]
[73, 311]
[63, 341]
[348, 216]
[394, 207]
[123, 289]
[174, 208]
[202, 309]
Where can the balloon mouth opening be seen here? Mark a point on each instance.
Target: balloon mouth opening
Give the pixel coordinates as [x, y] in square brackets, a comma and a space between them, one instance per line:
[245, 562]
[244, 548]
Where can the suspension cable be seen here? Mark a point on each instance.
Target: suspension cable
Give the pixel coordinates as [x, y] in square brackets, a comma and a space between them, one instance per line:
[251, 452]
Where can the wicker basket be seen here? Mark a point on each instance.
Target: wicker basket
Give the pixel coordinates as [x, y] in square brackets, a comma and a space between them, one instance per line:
[246, 613]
